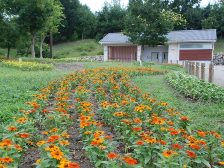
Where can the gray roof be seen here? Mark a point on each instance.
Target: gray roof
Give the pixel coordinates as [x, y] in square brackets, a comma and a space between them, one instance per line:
[116, 38]
[192, 35]
[207, 35]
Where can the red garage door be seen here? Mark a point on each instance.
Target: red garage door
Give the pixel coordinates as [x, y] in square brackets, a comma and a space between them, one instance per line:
[195, 55]
[125, 53]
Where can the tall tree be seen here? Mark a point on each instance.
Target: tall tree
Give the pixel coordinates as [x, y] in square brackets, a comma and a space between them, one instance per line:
[53, 21]
[147, 22]
[110, 19]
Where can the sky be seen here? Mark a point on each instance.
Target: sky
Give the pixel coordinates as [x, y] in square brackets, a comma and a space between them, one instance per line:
[96, 5]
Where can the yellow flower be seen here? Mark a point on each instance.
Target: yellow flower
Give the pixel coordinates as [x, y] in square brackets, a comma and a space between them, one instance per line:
[38, 161]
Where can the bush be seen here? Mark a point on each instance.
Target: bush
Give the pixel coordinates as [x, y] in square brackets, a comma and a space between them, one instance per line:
[192, 87]
[28, 66]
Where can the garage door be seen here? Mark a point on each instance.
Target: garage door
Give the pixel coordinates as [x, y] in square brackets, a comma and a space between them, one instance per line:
[126, 53]
[195, 55]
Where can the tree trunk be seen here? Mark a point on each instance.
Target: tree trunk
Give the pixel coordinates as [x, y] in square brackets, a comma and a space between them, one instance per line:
[51, 44]
[8, 53]
[41, 46]
[33, 46]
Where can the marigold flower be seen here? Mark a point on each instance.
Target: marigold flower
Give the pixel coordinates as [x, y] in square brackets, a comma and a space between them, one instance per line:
[12, 128]
[21, 120]
[119, 114]
[140, 142]
[73, 165]
[5, 143]
[137, 120]
[137, 128]
[169, 153]
[64, 143]
[6, 160]
[195, 146]
[112, 155]
[24, 135]
[129, 160]
[58, 155]
[177, 146]
[53, 138]
[184, 118]
[191, 154]
[201, 133]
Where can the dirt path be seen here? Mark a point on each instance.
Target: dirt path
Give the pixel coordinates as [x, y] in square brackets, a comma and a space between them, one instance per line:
[69, 66]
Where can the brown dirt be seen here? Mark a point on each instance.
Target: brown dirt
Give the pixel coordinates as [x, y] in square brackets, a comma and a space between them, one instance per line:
[29, 158]
[69, 66]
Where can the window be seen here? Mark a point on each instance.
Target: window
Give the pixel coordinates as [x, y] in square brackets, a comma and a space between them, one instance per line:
[191, 45]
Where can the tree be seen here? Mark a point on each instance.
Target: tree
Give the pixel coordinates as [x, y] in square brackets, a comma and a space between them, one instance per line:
[110, 19]
[53, 21]
[215, 19]
[86, 23]
[147, 23]
[9, 34]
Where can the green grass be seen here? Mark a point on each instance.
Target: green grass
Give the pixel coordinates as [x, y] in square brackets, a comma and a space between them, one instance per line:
[203, 115]
[219, 46]
[17, 87]
[77, 49]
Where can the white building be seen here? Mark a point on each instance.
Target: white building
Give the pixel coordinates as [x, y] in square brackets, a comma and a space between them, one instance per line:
[192, 45]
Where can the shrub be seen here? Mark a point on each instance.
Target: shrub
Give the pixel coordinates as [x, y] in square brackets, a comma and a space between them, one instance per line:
[194, 88]
[28, 66]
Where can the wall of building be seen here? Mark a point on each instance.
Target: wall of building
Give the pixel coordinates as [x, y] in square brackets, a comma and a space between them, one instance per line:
[147, 52]
[173, 52]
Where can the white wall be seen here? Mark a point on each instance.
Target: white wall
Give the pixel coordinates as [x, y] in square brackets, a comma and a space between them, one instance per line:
[173, 52]
[147, 51]
[105, 58]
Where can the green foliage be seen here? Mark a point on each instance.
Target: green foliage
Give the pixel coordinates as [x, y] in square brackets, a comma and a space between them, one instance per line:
[28, 66]
[147, 22]
[196, 89]
[110, 19]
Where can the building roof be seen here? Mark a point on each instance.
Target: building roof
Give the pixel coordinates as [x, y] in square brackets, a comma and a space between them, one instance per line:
[207, 35]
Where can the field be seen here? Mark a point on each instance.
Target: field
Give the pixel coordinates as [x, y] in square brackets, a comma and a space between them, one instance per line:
[112, 115]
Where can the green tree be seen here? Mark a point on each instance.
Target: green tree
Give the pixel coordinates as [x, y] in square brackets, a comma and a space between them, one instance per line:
[54, 16]
[147, 22]
[9, 34]
[86, 23]
[110, 19]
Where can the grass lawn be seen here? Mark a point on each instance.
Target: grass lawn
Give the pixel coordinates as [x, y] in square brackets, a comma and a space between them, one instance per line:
[203, 115]
[77, 49]
[17, 87]
[219, 46]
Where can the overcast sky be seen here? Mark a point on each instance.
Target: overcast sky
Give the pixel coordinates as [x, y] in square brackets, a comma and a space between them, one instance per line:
[96, 5]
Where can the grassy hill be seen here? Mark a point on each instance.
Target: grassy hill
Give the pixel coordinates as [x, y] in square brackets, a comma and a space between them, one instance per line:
[219, 46]
[79, 48]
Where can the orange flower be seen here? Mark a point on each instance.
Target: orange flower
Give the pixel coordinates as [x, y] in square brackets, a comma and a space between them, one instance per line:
[195, 146]
[119, 114]
[73, 165]
[112, 155]
[53, 138]
[57, 154]
[169, 153]
[129, 160]
[184, 118]
[201, 133]
[163, 104]
[5, 143]
[24, 135]
[177, 146]
[140, 142]
[97, 141]
[221, 163]
[137, 128]
[21, 120]
[137, 120]
[158, 121]
[191, 154]
[12, 128]
[6, 160]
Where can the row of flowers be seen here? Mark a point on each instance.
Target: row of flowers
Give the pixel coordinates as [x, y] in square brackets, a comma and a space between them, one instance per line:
[28, 66]
[120, 126]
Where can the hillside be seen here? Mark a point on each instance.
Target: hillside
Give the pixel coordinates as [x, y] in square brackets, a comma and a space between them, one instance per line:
[79, 48]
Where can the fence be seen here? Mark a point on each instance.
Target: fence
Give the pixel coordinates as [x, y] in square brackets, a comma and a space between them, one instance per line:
[204, 71]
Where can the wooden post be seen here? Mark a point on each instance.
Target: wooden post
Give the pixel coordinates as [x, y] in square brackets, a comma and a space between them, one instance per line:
[193, 68]
[171, 61]
[177, 62]
[189, 68]
[211, 73]
[202, 71]
[183, 65]
[197, 69]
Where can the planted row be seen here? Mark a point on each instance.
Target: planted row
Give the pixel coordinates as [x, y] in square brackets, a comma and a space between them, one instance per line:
[28, 66]
[196, 89]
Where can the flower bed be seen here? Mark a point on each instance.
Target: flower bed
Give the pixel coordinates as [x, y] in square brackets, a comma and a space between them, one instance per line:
[120, 126]
[28, 66]
[194, 88]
